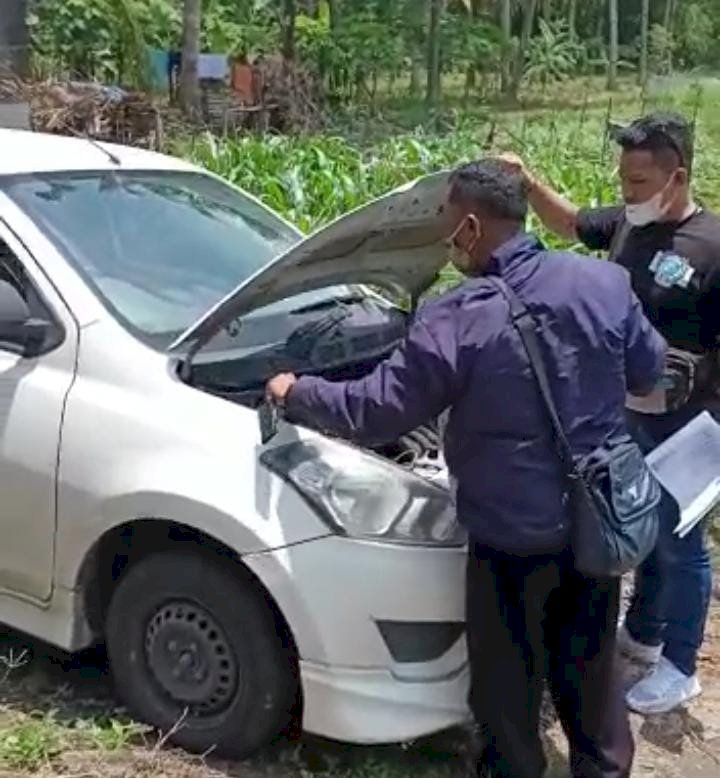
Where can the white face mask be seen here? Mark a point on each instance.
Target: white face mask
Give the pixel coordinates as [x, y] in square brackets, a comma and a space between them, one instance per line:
[649, 212]
[459, 256]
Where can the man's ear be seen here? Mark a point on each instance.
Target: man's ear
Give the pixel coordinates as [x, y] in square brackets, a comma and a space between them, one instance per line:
[474, 225]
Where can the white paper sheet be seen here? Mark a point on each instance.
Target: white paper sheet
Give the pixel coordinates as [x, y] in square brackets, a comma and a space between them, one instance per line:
[688, 466]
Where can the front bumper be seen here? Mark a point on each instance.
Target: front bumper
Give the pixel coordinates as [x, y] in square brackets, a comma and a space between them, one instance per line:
[370, 707]
[338, 596]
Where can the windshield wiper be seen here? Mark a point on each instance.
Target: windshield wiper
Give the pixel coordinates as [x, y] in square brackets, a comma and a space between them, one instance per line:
[331, 302]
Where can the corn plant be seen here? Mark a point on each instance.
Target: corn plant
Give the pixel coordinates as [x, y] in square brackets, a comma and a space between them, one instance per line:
[314, 179]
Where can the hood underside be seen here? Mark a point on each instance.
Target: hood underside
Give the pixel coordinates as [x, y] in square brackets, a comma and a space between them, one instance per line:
[396, 241]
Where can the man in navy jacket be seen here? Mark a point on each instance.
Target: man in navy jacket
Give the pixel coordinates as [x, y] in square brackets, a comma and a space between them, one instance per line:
[530, 615]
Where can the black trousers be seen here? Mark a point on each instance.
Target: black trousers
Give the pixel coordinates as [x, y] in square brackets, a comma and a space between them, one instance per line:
[531, 619]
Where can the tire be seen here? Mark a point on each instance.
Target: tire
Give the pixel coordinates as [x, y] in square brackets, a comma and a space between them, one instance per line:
[194, 651]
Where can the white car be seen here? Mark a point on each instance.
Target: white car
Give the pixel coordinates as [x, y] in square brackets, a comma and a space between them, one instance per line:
[236, 580]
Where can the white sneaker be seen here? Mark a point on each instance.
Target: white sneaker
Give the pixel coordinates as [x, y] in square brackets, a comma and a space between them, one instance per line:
[635, 650]
[662, 690]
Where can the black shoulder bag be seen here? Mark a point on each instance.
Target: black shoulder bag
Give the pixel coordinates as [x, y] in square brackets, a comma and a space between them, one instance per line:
[612, 494]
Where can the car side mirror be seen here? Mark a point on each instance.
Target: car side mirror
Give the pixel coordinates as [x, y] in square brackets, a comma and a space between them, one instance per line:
[19, 331]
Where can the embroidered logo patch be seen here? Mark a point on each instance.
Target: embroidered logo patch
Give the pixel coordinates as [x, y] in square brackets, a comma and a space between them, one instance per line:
[671, 270]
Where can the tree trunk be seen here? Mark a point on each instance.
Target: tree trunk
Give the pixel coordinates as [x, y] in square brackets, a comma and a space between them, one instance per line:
[475, 9]
[525, 35]
[547, 10]
[644, 36]
[669, 24]
[572, 18]
[289, 17]
[669, 15]
[470, 82]
[415, 76]
[506, 64]
[613, 53]
[334, 9]
[14, 36]
[432, 95]
[189, 87]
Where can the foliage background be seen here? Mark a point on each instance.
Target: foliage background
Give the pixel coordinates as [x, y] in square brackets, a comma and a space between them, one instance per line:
[357, 45]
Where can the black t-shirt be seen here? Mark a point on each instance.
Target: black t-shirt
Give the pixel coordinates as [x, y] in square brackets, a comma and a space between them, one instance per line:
[675, 270]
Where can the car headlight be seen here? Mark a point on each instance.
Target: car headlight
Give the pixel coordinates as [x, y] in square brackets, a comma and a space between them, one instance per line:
[362, 496]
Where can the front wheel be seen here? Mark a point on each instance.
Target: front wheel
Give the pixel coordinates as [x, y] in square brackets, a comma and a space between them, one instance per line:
[194, 650]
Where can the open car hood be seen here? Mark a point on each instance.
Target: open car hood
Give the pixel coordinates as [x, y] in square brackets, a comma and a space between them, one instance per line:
[396, 241]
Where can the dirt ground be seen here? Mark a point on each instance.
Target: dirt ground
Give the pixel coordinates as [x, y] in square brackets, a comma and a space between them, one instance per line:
[75, 732]
[685, 743]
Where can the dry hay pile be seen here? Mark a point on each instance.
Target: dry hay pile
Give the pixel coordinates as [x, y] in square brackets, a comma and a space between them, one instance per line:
[286, 98]
[292, 94]
[88, 109]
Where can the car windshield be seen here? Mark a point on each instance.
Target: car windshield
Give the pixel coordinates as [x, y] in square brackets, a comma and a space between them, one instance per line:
[160, 248]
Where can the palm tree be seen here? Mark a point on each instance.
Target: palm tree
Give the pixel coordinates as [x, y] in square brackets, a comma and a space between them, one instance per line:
[433, 60]
[506, 64]
[334, 11]
[614, 55]
[474, 9]
[572, 18]
[530, 7]
[669, 24]
[644, 35]
[289, 17]
[669, 14]
[189, 88]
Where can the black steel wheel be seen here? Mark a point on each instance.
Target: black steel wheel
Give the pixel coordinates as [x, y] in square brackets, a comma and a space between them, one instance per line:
[194, 650]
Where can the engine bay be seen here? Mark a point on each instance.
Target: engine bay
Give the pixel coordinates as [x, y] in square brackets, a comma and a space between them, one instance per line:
[344, 342]
[419, 450]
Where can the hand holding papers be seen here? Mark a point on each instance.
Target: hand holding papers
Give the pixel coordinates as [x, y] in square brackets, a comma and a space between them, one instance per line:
[688, 466]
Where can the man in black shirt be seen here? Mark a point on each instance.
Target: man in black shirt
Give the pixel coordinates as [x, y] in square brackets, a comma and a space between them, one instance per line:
[671, 248]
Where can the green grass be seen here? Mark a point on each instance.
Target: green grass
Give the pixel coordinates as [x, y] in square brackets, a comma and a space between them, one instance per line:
[28, 742]
[106, 734]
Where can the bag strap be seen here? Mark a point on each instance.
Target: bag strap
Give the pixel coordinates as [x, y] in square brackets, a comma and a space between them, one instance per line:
[619, 238]
[526, 326]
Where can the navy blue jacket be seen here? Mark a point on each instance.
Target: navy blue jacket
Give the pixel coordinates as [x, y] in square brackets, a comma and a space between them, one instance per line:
[463, 353]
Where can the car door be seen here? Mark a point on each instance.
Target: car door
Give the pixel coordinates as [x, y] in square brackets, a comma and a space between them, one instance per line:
[33, 389]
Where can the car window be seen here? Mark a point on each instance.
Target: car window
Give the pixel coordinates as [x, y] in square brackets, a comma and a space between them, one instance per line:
[13, 272]
[160, 248]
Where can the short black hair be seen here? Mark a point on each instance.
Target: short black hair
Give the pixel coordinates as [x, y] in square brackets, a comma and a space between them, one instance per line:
[491, 188]
[666, 134]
